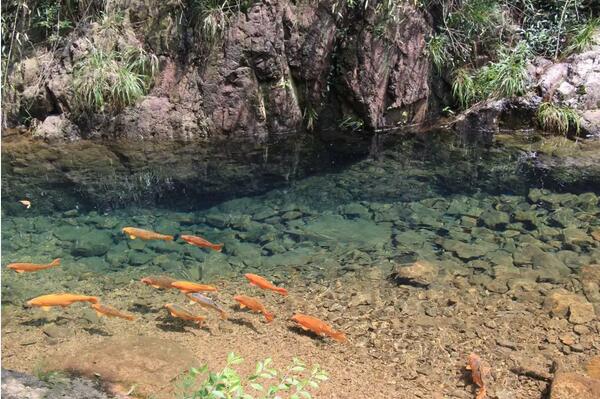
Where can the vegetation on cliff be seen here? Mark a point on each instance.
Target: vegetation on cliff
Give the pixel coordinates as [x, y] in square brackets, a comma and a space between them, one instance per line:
[353, 64]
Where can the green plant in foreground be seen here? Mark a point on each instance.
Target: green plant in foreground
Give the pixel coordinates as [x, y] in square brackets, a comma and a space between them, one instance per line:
[558, 119]
[266, 382]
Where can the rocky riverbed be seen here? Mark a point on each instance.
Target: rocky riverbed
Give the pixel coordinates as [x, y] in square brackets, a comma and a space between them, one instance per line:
[418, 272]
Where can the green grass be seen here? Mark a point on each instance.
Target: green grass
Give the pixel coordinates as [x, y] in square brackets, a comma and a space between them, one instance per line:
[463, 87]
[558, 119]
[583, 36]
[437, 48]
[107, 81]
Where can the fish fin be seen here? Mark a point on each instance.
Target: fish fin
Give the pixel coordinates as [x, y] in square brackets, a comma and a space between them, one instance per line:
[252, 283]
[155, 286]
[99, 314]
[242, 306]
[19, 271]
[192, 302]
[305, 328]
[339, 336]
[217, 247]
[55, 262]
[468, 367]
[269, 316]
[46, 308]
[132, 237]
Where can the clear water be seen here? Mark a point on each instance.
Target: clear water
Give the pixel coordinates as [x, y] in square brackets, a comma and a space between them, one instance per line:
[433, 197]
[330, 221]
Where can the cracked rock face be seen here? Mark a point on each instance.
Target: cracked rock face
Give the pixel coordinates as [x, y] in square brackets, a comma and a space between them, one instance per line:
[274, 63]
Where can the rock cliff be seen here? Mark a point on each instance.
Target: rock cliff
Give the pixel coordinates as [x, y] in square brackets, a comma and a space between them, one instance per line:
[271, 67]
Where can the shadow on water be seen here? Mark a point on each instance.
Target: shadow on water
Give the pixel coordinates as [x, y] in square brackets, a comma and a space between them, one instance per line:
[97, 331]
[186, 176]
[299, 331]
[143, 309]
[244, 323]
[170, 324]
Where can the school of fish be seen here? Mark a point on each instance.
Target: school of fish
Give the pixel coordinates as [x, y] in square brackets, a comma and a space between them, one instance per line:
[190, 289]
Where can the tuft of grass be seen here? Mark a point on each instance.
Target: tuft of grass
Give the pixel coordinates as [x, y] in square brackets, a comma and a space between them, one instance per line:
[558, 119]
[111, 80]
[437, 48]
[266, 382]
[507, 77]
[463, 87]
[584, 37]
[310, 116]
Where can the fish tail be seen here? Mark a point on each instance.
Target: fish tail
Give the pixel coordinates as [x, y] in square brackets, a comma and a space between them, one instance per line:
[176, 237]
[282, 291]
[217, 247]
[339, 336]
[55, 262]
[269, 316]
[169, 238]
[93, 299]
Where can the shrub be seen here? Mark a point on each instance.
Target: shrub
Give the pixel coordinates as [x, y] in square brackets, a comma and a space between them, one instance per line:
[295, 381]
[558, 119]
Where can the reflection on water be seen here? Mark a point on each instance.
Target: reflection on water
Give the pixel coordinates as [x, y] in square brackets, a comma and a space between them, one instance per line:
[426, 196]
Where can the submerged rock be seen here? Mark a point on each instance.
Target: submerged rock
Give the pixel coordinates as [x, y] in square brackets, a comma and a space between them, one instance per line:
[574, 386]
[17, 385]
[94, 243]
[419, 274]
[127, 360]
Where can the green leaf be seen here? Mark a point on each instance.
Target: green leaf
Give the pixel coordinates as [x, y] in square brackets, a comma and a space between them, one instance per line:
[313, 384]
[218, 394]
[256, 386]
[297, 369]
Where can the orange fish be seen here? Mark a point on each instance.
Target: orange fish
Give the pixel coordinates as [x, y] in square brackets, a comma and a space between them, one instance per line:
[201, 242]
[254, 305]
[477, 374]
[318, 327]
[32, 267]
[184, 314]
[26, 203]
[163, 282]
[105, 310]
[64, 300]
[187, 287]
[263, 283]
[134, 233]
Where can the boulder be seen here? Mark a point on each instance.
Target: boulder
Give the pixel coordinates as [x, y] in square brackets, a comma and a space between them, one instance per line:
[419, 274]
[94, 243]
[574, 386]
[149, 363]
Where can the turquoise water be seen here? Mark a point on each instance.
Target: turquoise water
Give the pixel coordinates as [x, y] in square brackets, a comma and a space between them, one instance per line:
[464, 205]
